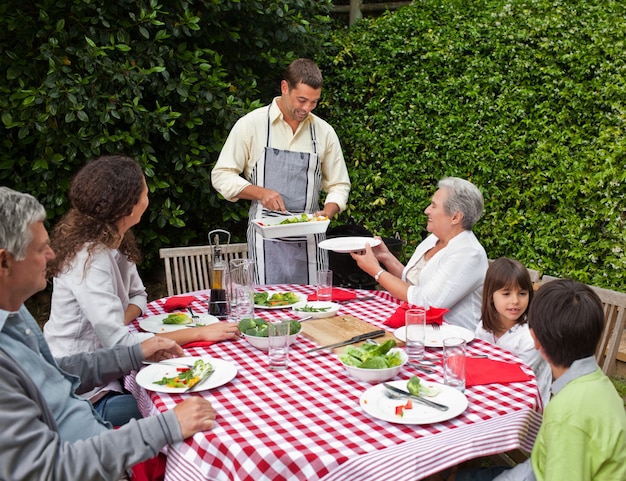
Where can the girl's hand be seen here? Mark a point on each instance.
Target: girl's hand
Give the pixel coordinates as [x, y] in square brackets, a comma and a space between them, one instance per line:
[219, 331]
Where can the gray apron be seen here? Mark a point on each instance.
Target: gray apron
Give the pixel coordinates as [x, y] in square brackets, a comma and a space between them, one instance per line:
[297, 176]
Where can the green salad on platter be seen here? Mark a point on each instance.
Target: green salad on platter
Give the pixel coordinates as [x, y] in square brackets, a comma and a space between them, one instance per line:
[276, 299]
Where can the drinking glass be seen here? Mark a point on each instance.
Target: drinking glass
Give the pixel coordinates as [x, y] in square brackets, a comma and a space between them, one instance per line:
[324, 285]
[454, 349]
[278, 352]
[241, 293]
[415, 323]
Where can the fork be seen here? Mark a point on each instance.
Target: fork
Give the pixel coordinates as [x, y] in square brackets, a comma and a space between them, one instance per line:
[435, 326]
[194, 317]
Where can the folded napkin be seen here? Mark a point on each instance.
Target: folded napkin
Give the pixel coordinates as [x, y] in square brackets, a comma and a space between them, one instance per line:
[177, 302]
[434, 315]
[488, 371]
[337, 295]
[198, 344]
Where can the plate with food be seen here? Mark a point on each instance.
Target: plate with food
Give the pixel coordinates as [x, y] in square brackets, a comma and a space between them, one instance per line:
[276, 299]
[290, 226]
[343, 245]
[381, 403]
[178, 374]
[174, 321]
[315, 309]
[434, 336]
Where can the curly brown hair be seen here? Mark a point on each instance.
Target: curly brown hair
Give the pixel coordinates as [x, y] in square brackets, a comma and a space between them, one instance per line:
[102, 192]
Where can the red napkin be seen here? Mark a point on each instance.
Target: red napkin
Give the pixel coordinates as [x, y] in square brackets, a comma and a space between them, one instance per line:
[177, 302]
[198, 344]
[152, 469]
[337, 295]
[488, 371]
[434, 315]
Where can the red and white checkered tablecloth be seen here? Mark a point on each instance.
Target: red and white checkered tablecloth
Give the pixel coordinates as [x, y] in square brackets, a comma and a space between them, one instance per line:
[305, 423]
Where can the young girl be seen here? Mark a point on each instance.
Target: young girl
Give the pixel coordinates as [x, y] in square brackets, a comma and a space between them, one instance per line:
[507, 293]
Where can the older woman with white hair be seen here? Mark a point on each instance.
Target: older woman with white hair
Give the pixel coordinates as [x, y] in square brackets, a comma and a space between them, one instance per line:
[448, 268]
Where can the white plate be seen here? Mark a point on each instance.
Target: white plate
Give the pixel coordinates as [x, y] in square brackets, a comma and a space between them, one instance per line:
[344, 245]
[271, 227]
[374, 402]
[224, 372]
[330, 312]
[155, 323]
[434, 338]
[301, 298]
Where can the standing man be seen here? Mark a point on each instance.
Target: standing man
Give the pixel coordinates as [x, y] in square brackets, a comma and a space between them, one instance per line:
[287, 157]
[48, 432]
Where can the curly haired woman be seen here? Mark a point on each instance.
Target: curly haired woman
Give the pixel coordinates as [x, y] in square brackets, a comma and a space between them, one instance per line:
[97, 290]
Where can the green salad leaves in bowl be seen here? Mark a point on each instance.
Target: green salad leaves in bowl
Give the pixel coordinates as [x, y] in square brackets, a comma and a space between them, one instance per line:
[374, 363]
[255, 332]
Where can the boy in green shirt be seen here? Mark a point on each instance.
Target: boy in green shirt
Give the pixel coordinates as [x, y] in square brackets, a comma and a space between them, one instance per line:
[583, 432]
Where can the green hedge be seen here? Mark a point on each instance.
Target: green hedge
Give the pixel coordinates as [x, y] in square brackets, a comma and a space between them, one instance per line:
[527, 99]
[162, 81]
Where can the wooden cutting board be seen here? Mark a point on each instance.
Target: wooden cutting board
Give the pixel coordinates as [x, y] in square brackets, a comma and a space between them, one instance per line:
[340, 328]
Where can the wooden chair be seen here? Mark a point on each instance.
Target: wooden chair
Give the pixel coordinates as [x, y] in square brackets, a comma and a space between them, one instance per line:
[545, 278]
[614, 306]
[187, 269]
[535, 276]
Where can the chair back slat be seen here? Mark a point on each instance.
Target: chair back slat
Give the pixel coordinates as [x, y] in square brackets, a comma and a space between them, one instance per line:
[188, 269]
[614, 305]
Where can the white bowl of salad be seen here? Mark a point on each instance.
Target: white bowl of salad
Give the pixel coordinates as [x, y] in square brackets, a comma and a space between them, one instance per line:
[315, 309]
[374, 363]
[255, 332]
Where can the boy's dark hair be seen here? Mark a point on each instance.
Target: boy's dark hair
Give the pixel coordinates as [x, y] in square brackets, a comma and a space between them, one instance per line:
[567, 319]
[502, 273]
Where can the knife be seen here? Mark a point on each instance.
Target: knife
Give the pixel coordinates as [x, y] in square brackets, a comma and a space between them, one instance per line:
[206, 376]
[432, 404]
[359, 338]
[356, 299]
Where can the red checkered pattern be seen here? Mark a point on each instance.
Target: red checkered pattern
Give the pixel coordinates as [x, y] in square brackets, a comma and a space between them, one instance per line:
[305, 423]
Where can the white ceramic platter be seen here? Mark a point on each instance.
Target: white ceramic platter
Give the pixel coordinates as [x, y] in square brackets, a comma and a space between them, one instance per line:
[271, 227]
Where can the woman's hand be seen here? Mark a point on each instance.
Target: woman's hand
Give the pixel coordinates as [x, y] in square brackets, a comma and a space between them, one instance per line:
[366, 260]
[219, 331]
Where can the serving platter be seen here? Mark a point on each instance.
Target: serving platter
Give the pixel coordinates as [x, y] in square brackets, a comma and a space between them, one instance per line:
[271, 227]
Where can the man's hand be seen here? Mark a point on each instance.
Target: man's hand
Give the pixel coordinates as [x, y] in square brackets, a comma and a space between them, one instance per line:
[195, 414]
[158, 348]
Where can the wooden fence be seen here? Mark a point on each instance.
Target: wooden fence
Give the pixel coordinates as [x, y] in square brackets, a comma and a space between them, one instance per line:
[358, 7]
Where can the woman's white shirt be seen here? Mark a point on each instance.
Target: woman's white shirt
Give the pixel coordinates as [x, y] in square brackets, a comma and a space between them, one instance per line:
[453, 278]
